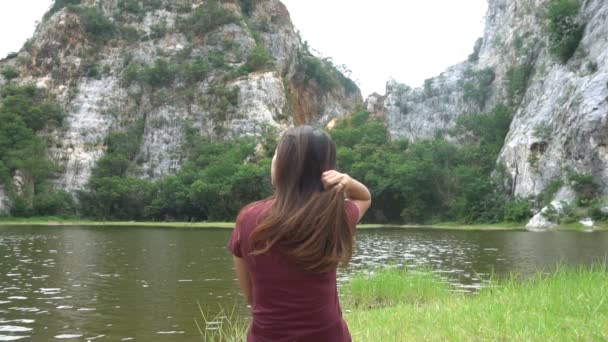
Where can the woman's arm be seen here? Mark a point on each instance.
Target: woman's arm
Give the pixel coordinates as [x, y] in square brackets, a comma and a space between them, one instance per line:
[353, 189]
[243, 277]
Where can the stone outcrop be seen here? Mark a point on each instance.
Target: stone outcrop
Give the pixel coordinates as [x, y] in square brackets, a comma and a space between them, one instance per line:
[560, 114]
[232, 99]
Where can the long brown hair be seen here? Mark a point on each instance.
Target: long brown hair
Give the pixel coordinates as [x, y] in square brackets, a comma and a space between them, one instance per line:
[306, 223]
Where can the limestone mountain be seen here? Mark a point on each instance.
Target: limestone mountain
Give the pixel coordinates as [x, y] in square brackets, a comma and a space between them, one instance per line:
[216, 68]
[546, 60]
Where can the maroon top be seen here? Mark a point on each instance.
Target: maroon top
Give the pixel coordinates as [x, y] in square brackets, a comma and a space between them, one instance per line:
[289, 304]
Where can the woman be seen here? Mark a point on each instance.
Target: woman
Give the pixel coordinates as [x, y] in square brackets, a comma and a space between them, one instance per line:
[287, 247]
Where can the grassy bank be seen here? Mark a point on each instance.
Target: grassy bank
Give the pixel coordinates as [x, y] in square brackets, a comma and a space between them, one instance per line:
[60, 221]
[392, 305]
[570, 304]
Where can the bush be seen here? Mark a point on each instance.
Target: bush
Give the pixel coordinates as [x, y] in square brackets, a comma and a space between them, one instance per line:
[349, 85]
[517, 210]
[195, 71]
[158, 30]
[565, 31]
[58, 5]
[217, 59]
[488, 130]
[92, 71]
[543, 131]
[323, 72]
[164, 73]
[584, 186]
[34, 106]
[130, 74]
[317, 71]
[478, 89]
[122, 149]
[123, 198]
[546, 196]
[597, 211]
[517, 82]
[99, 28]
[25, 110]
[206, 18]
[223, 99]
[259, 59]
[54, 203]
[21, 207]
[247, 6]
[428, 87]
[161, 74]
[474, 57]
[592, 67]
[9, 73]
[131, 6]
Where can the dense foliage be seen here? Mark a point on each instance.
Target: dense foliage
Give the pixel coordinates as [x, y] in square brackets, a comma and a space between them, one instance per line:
[428, 180]
[323, 72]
[419, 182]
[99, 28]
[9, 73]
[565, 30]
[477, 88]
[213, 185]
[410, 182]
[25, 111]
[517, 78]
[206, 18]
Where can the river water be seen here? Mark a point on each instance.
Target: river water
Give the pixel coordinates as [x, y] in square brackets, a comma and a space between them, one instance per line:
[146, 284]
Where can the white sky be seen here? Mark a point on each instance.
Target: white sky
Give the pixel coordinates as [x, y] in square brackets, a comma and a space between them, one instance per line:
[409, 40]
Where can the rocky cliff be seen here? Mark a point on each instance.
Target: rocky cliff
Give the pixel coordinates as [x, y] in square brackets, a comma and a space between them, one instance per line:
[559, 98]
[218, 68]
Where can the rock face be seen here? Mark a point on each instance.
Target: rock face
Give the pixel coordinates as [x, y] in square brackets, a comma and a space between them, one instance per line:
[560, 112]
[234, 97]
[564, 197]
[3, 198]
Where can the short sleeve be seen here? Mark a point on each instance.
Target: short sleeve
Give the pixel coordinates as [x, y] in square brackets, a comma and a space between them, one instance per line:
[352, 213]
[234, 244]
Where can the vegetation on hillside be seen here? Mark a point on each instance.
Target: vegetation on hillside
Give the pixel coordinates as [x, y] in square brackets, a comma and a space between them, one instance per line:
[323, 72]
[411, 182]
[477, 88]
[26, 113]
[564, 27]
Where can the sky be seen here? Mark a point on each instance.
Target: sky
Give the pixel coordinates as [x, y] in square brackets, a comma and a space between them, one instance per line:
[408, 40]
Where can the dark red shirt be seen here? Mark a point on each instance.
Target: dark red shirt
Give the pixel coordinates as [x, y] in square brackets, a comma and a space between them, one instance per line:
[289, 304]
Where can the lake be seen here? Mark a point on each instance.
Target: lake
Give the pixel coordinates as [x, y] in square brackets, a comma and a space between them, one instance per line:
[144, 284]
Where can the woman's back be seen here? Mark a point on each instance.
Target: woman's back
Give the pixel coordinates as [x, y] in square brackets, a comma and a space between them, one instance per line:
[289, 303]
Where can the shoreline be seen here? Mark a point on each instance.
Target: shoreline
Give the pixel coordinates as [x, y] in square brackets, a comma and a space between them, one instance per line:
[397, 304]
[55, 221]
[420, 306]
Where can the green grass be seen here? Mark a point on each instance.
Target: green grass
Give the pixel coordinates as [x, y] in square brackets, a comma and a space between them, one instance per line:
[224, 326]
[570, 304]
[391, 287]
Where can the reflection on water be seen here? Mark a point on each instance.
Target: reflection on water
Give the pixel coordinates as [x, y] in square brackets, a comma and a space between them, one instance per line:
[468, 258]
[113, 283]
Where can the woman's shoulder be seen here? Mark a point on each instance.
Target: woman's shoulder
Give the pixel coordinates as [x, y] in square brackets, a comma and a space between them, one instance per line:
[254, 208]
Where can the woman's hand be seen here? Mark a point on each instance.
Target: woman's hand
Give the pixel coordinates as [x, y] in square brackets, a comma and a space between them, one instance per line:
[334, 178]
[353, 189]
